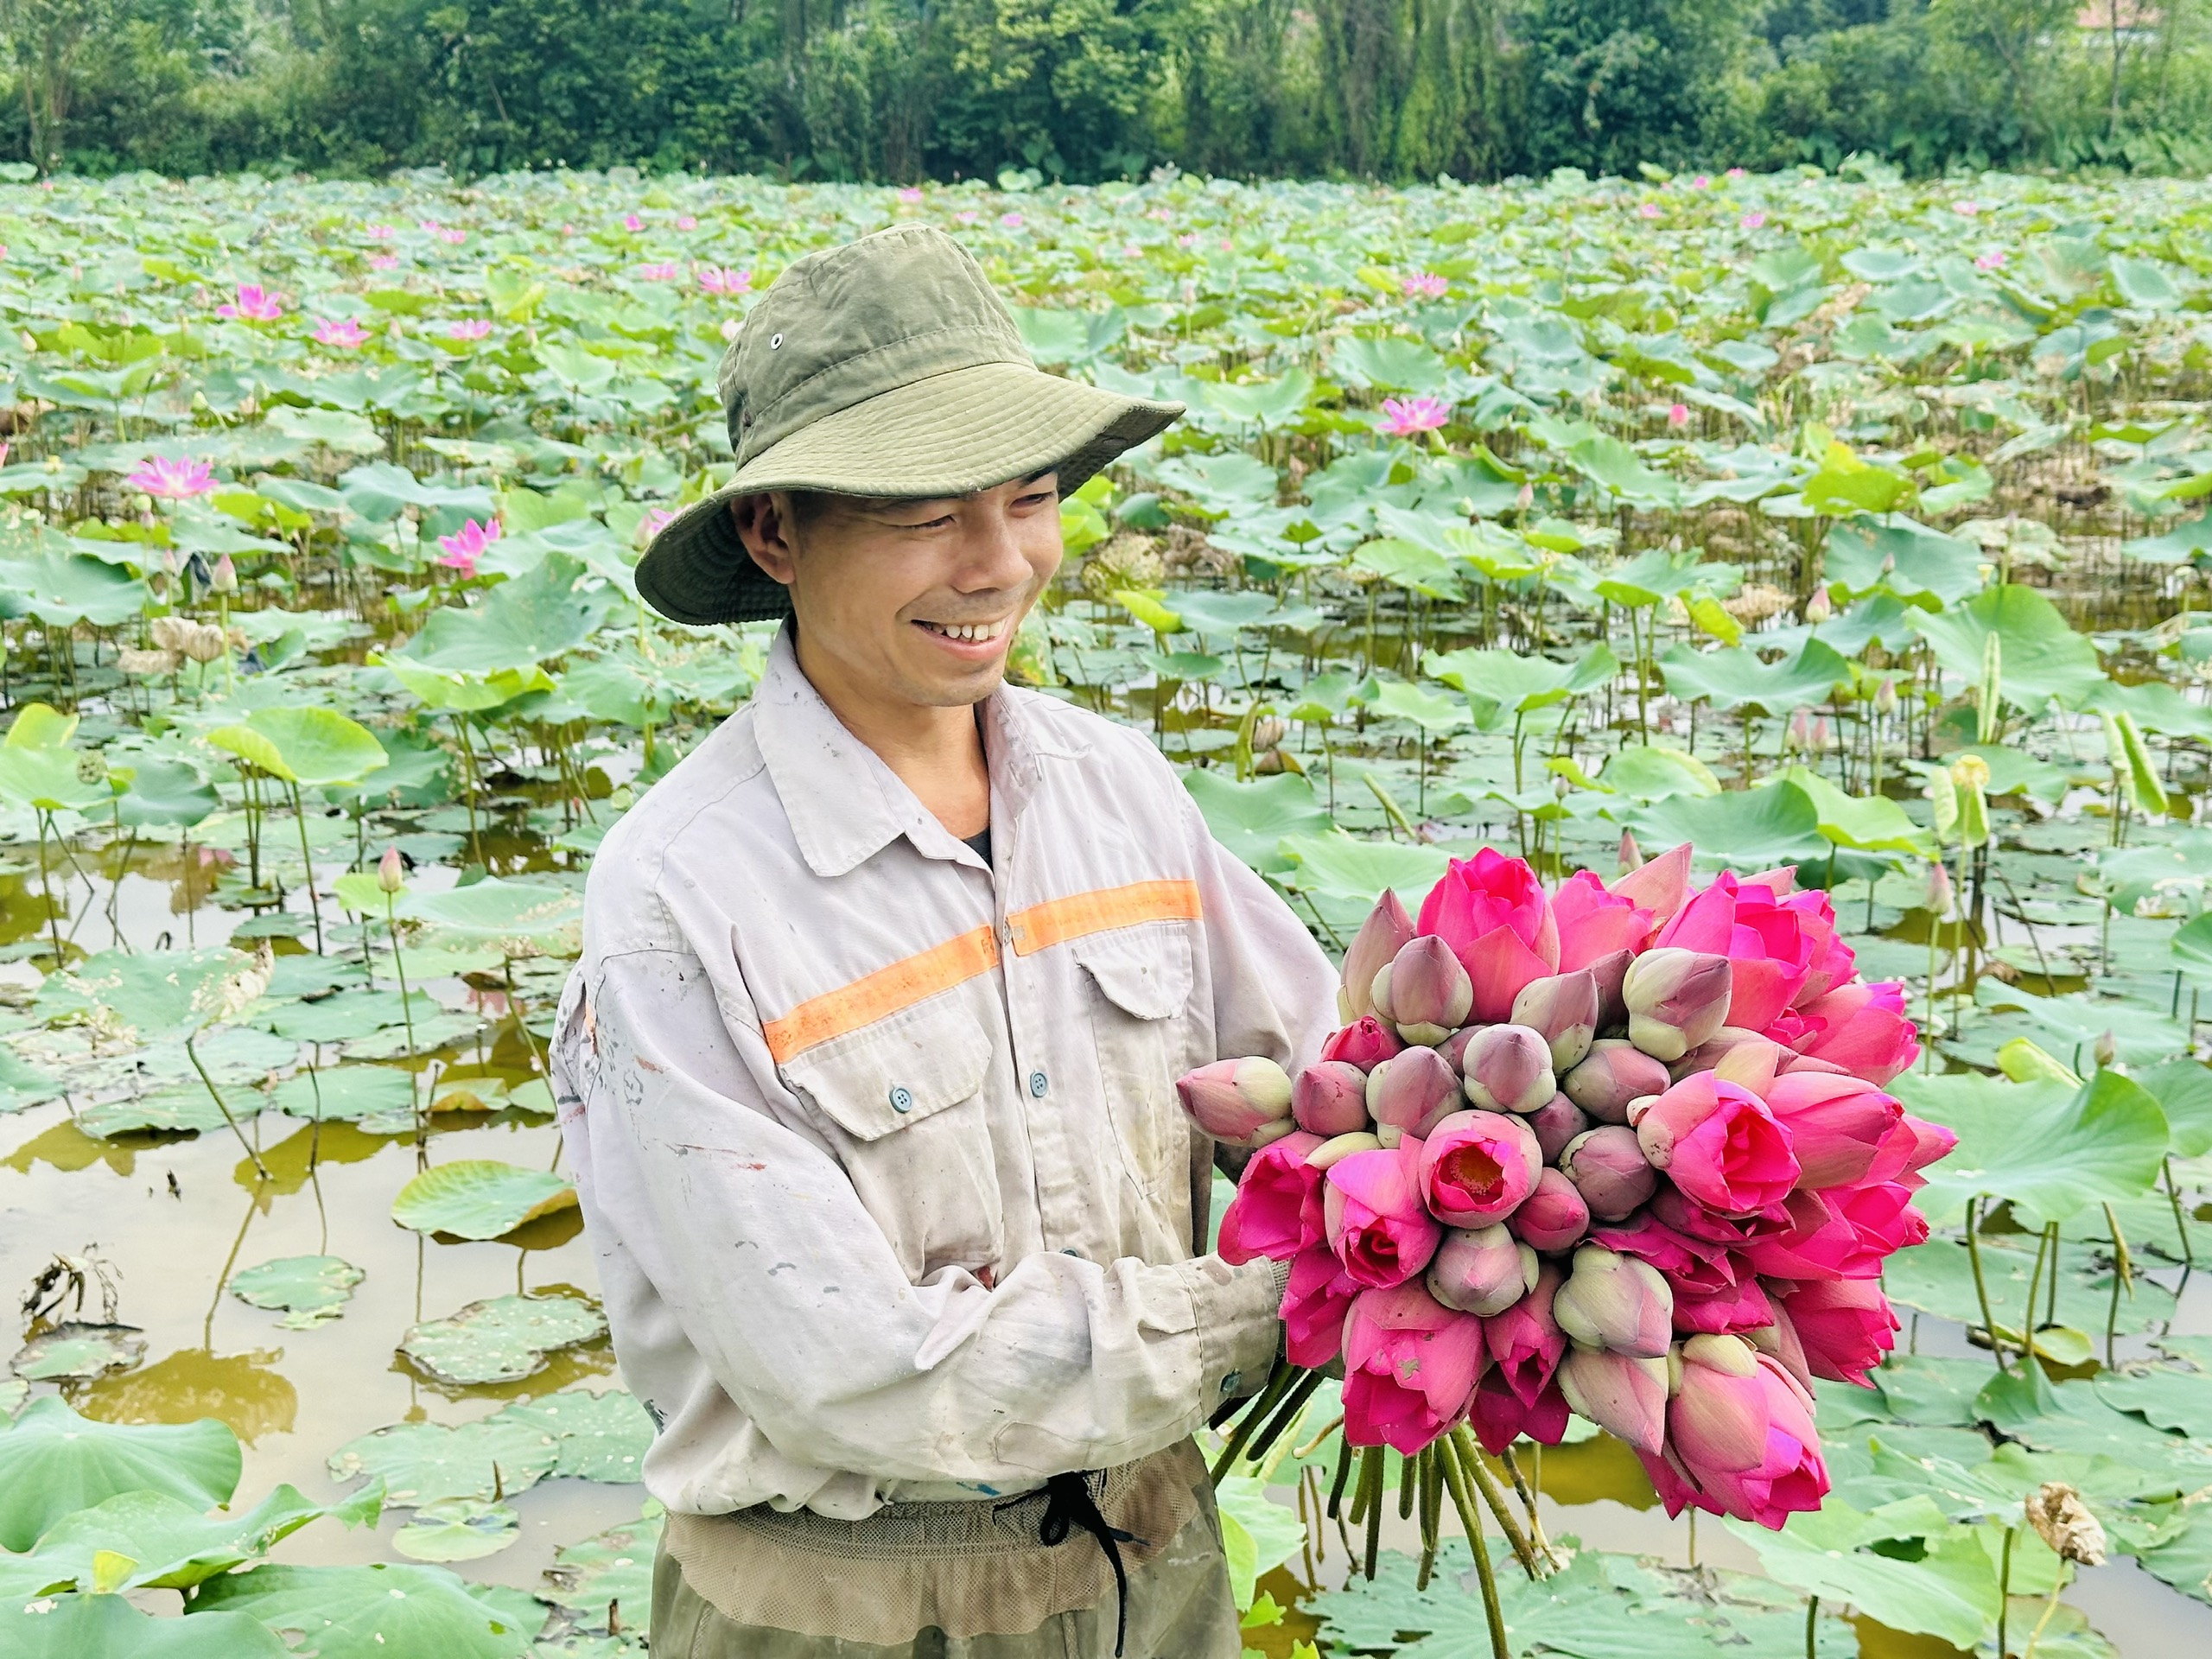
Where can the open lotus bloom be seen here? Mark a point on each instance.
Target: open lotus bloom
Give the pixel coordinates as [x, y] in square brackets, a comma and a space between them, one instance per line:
[1622, 1149]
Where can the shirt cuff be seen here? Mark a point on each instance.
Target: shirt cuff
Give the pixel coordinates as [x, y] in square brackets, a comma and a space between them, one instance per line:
[1239, 1322]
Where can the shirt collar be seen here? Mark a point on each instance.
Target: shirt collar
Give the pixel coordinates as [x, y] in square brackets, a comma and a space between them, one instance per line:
[844, 804]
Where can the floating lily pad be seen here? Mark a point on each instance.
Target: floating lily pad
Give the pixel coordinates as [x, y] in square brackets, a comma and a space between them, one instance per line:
[76, 1352]
[349, 1014]
[602, 1437]
[501, 1340]
[442, 1029]
[479, 1198]
[312, 1290]
[187, 1107]
[422, 1462]
[344, 1092]
[383, 1611]
[612, 1568]
[457, 1529]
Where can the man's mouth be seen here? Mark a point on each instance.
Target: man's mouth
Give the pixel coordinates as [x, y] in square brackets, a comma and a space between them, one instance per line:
[966, 632]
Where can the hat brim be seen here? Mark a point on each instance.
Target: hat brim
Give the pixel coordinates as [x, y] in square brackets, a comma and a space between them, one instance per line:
[953, 434]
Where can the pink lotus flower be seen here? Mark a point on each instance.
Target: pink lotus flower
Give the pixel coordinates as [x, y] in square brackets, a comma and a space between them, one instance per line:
[1678, 416]
[732, 326]
[1882, 1217]
[1912, 1145]
[1562, 1009]
[383, 261]
[1993, 260]
[381, 232]
[686, 222]
[1966, 207]
[1740, 1308]
[1719, 1144]
[1778, 946]
[1860, 1027]
[1427, 285]
[172, 480]
[1836, 1124]
[1701, 182]
[1623, 1395]
[1845, 1328]
[1491, 911]
[1187, 240]
[468, 328]
[1406, 417]
[1593, 922]
[1676, 999]
[1649, 210]
[1691, 1265]
[1330, 1097]
[1555, 1124]
[1481, 1270]
[1817, 1241]
[1277, 1209]
[1614, 1072]
[722, 279]
[254, 304]
[1314, 1308]
[1524, 1342]
[664, 271]
[342, 332]
[455, 237]
[1371, 1206]
[1499, 1416]
[1507, 1069]
[1411, 1365]
[1365, 1043]
[1659, 885]
[467, 545]
[1239, 1102]
[1012, 221]
[1752, 220]
[1381, 936]
[632, 223]
[1424, 991]
[910, 194]
[1553, 1216]
[655, 520]
[1477, 1166]
[1740, 1438]
[965, 216]
[1734, 173]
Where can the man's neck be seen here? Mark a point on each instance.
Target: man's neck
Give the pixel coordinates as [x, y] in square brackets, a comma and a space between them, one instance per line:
[937, 753]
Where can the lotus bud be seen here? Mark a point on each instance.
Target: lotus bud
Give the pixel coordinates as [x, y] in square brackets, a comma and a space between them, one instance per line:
[1453, 1049]
[1554, 1123]
[1620, 1392]
[1428, 992]
[1412, 1091]
[2105, 1050]
[1481, 1270]
[1938, 901]
[392, 872]
[1676, 1000]
[1389, 1134]
[1616, 1302]
[1563, 1010]
[1339, 1146]
[1885, 698]
[1330, 1098]
[1614, 1072]
[1631, 856]
[1737, 1056]
[1818, 609]
[1553, 1216]
[1381, 936]
[225, 577]
[1609, 1170]
[1509, 1069]
[1800, 738]
[1234, 1099]
[1609, 970]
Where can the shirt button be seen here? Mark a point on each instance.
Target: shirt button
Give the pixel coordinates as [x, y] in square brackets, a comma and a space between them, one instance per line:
[1230, 1383]
[1037, 1084]
[902, 1098]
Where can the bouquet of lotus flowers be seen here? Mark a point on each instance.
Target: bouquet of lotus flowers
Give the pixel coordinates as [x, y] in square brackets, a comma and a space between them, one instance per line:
[1617, 1149]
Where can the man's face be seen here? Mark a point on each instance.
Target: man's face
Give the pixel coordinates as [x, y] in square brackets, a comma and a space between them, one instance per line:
[909, 601]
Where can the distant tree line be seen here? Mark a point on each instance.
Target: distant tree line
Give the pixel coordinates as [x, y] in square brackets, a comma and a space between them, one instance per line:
[901, 89]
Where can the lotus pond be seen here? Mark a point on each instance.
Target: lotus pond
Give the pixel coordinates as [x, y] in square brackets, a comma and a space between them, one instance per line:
[1841, 524]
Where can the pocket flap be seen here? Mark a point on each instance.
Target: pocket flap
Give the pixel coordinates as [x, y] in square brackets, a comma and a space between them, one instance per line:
[894, 1072]
[1144, 971]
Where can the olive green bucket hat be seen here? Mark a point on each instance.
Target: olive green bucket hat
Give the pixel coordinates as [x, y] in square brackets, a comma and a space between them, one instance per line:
[885, 367]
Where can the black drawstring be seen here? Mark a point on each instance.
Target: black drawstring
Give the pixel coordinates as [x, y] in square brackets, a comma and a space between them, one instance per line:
[1068, 1502]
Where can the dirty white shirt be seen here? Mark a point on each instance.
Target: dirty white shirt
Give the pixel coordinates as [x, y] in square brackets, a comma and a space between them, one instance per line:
[878, 1147]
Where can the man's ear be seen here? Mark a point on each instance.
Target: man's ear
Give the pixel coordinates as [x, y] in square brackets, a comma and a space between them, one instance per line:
[764, 524]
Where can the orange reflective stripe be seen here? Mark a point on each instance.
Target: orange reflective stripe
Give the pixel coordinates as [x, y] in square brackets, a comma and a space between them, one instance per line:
[1058, 920]
[881, 993]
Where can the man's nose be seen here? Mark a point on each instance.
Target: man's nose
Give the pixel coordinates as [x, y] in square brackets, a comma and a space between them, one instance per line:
[994, 557]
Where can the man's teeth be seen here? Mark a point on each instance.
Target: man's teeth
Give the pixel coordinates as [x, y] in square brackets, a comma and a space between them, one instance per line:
[966, 631]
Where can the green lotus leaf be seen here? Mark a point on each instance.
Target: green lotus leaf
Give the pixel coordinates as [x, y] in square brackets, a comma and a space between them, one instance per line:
[311, 1290]
[502, 1340]
[420, 1462]
[2050, 1149]
[173, 1546]
[2042, 659]
[479, 1197]
[76, 1351]
[369, 1612]
[1250, 819]
[602, 1437]
[109, 1627]
[1734, 678]
[457, 1529]
[53, 1463]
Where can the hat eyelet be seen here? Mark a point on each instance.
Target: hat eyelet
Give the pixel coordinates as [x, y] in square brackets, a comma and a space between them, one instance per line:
[774, 341]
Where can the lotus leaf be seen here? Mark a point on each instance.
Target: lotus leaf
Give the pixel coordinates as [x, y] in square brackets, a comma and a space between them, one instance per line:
[369, 1612]
[53, 1462]
[172, 1545]
[502, 1340]
[312, 1290]
[479, 1198]
[109, 1627]
[457, 1529]
[418, 1462]
[2049, 1148]
[602, 1437]
[1250, 819]
[77, 1352]
[307, 746]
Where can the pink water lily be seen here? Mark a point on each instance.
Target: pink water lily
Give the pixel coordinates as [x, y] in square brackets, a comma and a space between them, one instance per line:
[1491, 911]
[1313, 1307]
[1012, 221]
[1277, 1209]
[1845, 1328]
[341, 332]
[1752, 220]
[1678, 416]
[655, 520]
[1719, 1143]
[1740, 1438]
[664, 271]
[632, 222]
[1378, 1224]
[172, 478]
[909, 193]
[1649, 210]
[381, 232]
[254, 304]
[966, 216]
[1858, 1026]
[455, 237]
[467, 545]
[383, 261]
[1477, 1166]
[1993, 260]
[1410, 1366]
[1594, 922]
[468, 328]
[1426, 285]
[722, 279]
[1406, 417]
[686, 222]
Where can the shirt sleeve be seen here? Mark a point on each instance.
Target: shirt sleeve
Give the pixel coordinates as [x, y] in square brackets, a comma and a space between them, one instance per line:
[762, 1253]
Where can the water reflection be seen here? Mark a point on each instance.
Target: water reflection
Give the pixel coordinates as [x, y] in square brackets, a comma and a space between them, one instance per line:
[245, 1390]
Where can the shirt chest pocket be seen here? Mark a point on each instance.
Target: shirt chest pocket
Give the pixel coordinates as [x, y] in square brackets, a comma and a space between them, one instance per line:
[904, 1097]
[1140, 984]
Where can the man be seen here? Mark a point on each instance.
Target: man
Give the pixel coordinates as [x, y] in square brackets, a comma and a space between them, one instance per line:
[868, 1070]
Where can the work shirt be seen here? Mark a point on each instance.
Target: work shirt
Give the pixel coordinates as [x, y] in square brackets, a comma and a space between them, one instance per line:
[878, 1147]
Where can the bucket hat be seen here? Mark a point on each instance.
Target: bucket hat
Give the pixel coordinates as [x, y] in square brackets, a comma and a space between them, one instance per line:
[885, 367]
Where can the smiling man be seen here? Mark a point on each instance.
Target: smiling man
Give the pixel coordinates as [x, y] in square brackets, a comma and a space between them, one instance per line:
[867, 1070]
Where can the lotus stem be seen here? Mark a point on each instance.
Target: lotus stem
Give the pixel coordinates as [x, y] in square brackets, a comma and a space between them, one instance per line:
[1286, 1415]
[1316, 1443]
[1371, 1492]
[1470, 1522]
[1432, 1494]
[1812, 1627]
[2049, 1606]
[1409, 1480]
[1528, 1495]
[407, 1015]
[1334, 1508]
[307, 858]
[1470, 1458]
[260, 1169]
[2173, 1193]
[1981, 1285]
[2004, 1588]
[1277, 1385]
